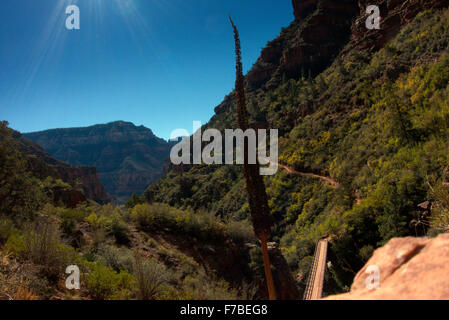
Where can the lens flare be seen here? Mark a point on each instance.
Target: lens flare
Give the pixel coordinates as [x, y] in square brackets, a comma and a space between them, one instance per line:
[49, 45]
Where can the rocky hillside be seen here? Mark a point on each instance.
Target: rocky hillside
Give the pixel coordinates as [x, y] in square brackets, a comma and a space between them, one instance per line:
[308, 46]
[363, 119]
[42, 165]
[30, 178]
[128, 158]
[364, 108]
[137, 251]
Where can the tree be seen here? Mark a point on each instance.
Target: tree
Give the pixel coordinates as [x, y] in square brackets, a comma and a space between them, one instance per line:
[134, 201]
[257, 196]
[20, 192]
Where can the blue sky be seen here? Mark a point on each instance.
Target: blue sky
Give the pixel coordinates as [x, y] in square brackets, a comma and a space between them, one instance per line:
[157, 63]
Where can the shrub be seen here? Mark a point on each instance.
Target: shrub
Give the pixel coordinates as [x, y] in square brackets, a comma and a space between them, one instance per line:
[202, 224]
[98, 237]
[95, 221]
[43, 247]
[204, 287]
[240, 231]
[366, 252]
[440, 207]
[103, 283]
[68, 226]
[16, 244]
[134, 200]
[21, 193]
[40, 244]
[117, 228]
[170, 293]
[116, 258]
[148, 216]
[5, 229]
[256, 262]
[150, 276]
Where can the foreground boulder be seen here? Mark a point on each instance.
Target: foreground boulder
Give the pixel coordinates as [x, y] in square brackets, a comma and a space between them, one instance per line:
[409, 269]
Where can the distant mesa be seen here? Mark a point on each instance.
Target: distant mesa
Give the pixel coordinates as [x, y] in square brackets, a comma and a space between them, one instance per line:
[128, 157]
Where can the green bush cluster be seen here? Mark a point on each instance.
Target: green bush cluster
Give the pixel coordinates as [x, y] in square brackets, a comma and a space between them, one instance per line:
[21, 192]
[104, 283]
[6, 228]
[40, 243]
[202, 224]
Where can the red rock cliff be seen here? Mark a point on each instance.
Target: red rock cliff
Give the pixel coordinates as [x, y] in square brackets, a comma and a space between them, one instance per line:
[394, 14]
[308, 45]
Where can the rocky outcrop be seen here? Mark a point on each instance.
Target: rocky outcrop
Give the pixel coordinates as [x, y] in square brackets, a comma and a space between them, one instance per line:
[88, 177]
[320, 30]
[70, 198]
[394, 14]
[302, 8]
[409, 269]
[128, 158]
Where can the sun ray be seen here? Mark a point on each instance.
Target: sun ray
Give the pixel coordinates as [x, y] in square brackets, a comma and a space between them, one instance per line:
[49, 46]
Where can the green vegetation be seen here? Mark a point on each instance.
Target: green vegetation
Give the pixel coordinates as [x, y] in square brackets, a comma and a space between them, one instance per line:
[440, 206]
[127, 252]
[112, 268]
[376, 123]
[201, 225]
[20, 192]
[134, 200]
[151, 276]
[104, 283]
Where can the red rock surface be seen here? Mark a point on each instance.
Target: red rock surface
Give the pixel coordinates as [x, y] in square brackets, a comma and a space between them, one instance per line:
[308, 45]
[90, 182]
[71, 198]
[394, 15]
[410, 269]
[302, 8]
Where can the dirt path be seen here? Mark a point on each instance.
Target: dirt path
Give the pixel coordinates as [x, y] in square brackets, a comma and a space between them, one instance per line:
[328, 180]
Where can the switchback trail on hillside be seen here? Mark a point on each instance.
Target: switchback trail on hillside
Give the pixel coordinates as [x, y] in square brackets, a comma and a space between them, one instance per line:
[334, 183]
[328, 180]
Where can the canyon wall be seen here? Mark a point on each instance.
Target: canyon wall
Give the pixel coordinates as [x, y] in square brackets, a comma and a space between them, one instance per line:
[128, 158]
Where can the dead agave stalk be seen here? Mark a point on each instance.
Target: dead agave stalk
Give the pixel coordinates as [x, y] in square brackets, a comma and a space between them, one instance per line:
[257, 196]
